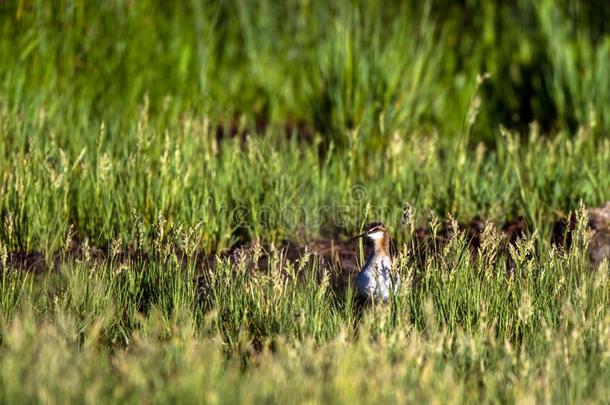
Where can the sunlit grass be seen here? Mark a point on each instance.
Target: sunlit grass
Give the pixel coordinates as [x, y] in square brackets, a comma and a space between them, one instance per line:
[462, 328]
[141, 143]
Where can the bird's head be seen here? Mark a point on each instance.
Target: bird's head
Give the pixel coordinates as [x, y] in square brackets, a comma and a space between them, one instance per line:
[375, 231]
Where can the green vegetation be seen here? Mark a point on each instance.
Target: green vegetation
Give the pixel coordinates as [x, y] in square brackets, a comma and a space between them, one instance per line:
[140, 141]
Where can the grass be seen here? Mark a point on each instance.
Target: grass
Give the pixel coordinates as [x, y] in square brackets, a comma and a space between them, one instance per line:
[463, 328]
[237, 190]
[140, 142]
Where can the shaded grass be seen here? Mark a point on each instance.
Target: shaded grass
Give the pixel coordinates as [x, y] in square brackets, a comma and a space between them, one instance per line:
[375, 66]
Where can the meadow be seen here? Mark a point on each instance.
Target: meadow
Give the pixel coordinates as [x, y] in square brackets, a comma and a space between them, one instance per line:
[178, 181]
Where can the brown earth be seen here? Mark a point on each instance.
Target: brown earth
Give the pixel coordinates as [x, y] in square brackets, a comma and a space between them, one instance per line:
[599, 222]
[342, 254]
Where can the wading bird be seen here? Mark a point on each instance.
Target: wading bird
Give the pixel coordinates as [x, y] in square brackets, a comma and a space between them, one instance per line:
[375, 281]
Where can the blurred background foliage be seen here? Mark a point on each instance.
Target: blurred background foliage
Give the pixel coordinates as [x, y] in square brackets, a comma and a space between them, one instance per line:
[311, 66]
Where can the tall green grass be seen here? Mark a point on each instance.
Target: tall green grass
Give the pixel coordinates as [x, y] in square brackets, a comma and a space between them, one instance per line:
[140, 139]
[275, 189]
[463, 327]
[374, 66]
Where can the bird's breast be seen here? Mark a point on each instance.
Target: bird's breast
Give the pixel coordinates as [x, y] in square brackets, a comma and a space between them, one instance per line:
[380, 264]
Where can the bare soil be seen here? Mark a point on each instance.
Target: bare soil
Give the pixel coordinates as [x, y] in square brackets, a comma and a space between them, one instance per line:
[341, 254]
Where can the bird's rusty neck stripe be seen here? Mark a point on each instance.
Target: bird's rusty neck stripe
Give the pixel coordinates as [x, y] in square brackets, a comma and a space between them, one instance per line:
[382, 246]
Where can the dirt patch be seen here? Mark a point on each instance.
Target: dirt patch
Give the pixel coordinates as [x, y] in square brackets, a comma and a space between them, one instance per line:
[33, 262]
[599, 223]
[599, 233]
[335, 253]
[234, 129]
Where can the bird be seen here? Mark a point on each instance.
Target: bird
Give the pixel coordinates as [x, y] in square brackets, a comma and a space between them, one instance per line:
[375, 282]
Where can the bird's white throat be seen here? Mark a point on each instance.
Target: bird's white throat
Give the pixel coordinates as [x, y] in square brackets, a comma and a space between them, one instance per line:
[375, 235]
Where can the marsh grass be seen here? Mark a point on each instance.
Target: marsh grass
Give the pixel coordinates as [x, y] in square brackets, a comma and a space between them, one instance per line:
[464, 326]
[134, 316]
[231, 192]
[142, 143]
[375, 66]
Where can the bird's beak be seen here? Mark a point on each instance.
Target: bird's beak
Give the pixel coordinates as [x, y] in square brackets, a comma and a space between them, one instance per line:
[356, 237]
